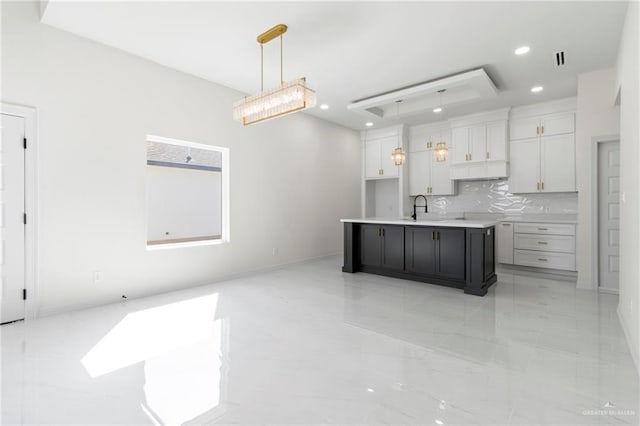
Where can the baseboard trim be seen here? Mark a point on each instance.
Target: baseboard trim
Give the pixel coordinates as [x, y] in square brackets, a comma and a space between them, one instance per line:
[634, 352]
[42, 313]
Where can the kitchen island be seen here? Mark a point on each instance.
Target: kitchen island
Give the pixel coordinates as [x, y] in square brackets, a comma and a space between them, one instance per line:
[454, 253]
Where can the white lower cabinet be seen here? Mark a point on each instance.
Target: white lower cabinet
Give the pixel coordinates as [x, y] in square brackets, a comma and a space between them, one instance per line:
[542, 245]
[545, 259]
[504, 243]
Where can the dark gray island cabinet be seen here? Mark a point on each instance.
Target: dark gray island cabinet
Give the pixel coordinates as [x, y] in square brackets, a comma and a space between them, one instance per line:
[453, 253]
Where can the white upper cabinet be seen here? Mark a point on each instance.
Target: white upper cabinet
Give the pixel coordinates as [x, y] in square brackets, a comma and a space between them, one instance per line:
[524, 128]
[378, 161]
[525, 166]
[546, 125]
[460, 143]
[542, 153]
[497, 141]
[480, 149]
[426, 175]
[557, 163]
[477, 142]
[557, 124]
[419, 172]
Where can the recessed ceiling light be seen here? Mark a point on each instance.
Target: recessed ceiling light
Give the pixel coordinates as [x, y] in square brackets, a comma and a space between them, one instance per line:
[437, 109]
[522, 50]
[324, 106]
[536, 89]
[368, 124]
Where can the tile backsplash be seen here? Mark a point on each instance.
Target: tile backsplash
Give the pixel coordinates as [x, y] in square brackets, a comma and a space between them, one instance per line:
[493, 196]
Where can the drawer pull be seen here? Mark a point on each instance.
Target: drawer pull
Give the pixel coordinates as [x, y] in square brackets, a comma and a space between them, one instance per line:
[506, 224]
[542, 242]
[543, 229]
[542, 259]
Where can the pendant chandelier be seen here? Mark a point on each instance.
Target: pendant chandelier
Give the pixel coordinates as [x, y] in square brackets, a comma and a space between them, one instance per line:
[289, 97]
[398, 154]
[441, 152]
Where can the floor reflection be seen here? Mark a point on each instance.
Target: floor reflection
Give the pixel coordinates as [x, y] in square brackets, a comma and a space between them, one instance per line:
[182, 347]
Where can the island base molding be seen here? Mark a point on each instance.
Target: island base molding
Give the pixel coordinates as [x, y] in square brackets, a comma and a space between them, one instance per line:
[462, 258]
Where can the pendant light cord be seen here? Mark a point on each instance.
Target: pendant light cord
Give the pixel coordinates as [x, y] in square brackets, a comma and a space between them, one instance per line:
[281, 60]
[261, 67]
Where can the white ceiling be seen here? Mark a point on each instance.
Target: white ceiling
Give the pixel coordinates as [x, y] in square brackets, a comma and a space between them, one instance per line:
[354, 50]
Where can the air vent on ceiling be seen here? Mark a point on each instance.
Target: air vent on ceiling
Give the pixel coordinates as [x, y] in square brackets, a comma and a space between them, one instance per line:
[559, 58]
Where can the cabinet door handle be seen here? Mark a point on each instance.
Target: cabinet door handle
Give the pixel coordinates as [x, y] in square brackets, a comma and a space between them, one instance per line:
[542, 229]
[538, 186]
[488, 155]
[470, 157]
[506, 224]
[542, 242]
[542, 130]
[437, 235]
[383, 232]
[541, 259]
[537, 130]
[542, 185]
[433, 235]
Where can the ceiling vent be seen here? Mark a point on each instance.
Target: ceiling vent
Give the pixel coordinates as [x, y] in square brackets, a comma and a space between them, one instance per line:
[559, 58]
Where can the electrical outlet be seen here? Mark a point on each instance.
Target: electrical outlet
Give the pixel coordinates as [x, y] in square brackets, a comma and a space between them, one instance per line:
[97, 276]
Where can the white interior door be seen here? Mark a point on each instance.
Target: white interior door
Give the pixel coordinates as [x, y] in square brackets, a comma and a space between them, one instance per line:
[12, 245]
[609, 215]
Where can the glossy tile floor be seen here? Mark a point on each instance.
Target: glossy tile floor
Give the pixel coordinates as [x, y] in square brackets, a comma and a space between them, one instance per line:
[308, 344]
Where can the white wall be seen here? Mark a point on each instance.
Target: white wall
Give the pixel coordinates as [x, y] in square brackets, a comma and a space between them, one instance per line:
[628, 74]
[291, 178]
[597, 119]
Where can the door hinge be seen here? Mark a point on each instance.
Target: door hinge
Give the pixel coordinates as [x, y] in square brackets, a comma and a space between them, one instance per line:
[24, 294]
[24, 143]
[24, 218]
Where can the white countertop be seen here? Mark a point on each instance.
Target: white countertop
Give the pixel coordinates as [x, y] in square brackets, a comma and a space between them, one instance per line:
[451, 223]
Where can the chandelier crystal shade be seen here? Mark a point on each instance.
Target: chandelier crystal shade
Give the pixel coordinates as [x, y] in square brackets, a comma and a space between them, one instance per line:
[441, 152]
[289, 97]
[398, 156]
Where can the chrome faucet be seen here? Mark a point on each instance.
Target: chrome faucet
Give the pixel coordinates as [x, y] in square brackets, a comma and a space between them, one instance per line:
[415, 200]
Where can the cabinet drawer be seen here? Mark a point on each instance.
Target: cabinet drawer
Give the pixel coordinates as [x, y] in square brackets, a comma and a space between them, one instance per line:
[553, 243]
[546, 228]
[541, 259]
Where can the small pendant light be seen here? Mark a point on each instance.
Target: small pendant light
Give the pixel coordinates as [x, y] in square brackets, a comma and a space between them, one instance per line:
[398, 154]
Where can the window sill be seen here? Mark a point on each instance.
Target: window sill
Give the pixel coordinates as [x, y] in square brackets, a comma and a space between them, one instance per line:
[168, 246]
